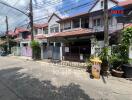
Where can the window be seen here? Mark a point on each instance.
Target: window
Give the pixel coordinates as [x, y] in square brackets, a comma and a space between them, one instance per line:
[102, 4]
[35, 31]
[94, 22]
[76, 23]
[67, 25]
[45, 31]
[40, 31]
[97, 22]
[85, 23]
[51, 30]
[54, 28]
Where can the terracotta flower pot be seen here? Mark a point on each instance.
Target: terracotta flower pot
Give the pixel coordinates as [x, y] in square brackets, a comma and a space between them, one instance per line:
[117, 73]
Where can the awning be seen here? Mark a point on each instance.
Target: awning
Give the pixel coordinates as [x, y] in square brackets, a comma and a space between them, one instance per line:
[73, 32]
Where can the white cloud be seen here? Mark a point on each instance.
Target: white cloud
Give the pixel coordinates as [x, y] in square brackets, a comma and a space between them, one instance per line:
[16, 18]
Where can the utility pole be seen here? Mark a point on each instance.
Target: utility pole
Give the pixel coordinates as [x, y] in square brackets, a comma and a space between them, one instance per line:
[31, 19]
[105, 67]
[7, 36]
[31, 24]
[106, 24]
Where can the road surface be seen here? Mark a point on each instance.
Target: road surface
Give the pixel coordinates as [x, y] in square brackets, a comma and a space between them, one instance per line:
[29, 80]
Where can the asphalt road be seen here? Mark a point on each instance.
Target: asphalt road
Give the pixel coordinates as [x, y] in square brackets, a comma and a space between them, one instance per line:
[28, 80]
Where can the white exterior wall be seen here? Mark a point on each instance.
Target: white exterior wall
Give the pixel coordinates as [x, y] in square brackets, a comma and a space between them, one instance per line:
[53, 21]
[98, 5]
[130, 52]
[112, 28]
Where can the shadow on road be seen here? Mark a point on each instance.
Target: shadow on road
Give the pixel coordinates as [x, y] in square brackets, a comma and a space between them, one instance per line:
[103, 79]
[27, 88]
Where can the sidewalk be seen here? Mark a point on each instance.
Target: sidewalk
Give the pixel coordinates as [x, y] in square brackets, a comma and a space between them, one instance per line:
[122, 80]
[76, 65]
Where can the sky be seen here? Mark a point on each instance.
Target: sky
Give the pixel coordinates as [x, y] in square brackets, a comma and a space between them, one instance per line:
[42, 10]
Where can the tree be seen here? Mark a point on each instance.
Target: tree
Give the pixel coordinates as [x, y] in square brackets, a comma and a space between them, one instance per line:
[126, 42]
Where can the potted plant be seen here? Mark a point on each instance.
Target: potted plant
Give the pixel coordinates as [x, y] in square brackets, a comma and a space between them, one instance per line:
[105, 65]
[116, 63]
[89, 67]
[126, 43]
[89, 64]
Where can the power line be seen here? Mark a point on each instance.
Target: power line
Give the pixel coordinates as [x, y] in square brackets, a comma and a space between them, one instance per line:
[70, 9]
[13, 8]
[89, 3]
[69, 5]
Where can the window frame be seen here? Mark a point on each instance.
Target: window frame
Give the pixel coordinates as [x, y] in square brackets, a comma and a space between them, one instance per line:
[54, 28]
[67, 25]
[97, 22]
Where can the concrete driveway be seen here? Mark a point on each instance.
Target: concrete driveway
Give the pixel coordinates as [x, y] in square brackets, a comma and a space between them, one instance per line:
[28, 80]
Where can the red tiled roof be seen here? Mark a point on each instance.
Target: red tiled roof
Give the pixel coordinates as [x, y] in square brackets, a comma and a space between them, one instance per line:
[40, 25]
[11, 33]
[125, 3]
[19, 30]
[40, 36]
[75, 32]
[128, 25]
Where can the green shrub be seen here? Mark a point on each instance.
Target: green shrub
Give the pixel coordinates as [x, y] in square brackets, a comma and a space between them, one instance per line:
[34, 44]
[36, 49]
[116, 60]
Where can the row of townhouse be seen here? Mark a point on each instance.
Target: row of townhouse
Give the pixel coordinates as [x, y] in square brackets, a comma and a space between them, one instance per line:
[73, 38]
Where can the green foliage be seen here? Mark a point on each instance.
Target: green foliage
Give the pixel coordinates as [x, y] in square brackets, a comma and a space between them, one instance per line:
[88, 62]
[127, 36]
[104, 54]
[121, 55]
[34, 44]
[116, 60]
[36, 49]
[126, 41]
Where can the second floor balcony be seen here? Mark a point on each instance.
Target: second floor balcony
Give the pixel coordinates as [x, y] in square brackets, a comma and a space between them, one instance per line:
[74, 23]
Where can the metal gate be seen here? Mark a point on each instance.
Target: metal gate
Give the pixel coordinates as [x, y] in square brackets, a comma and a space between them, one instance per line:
[47, 52]
[26, 51]
[56, 53]
[76, 53]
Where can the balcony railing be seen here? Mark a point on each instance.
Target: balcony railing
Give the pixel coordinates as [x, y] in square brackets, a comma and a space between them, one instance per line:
[112, 28]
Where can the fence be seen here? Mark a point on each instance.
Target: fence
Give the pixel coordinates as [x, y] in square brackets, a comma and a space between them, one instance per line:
[26, 51]
[16, 51]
